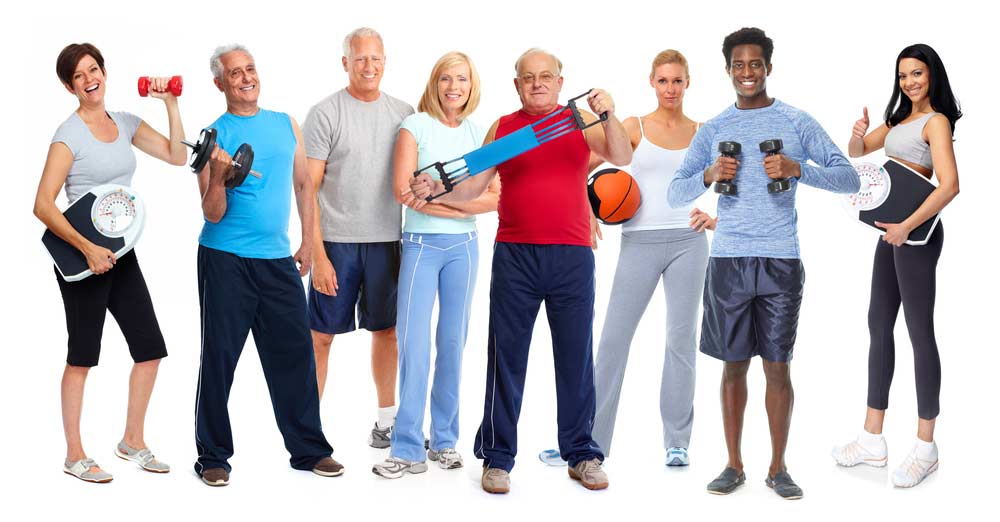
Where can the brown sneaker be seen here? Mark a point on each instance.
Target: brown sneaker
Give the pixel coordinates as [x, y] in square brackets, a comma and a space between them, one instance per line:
[215, 477]
[328, 468]
[590, 474]
[495, 480]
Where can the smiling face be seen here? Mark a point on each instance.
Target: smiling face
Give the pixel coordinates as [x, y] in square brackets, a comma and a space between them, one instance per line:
[914, 79]
[454, 85]
[239, 80]
[88, 81]
[538, 83]
[670, 80]
[364, 66]
[748, 72]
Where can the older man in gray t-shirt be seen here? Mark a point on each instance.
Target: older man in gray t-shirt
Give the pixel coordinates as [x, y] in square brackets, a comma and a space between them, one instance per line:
[349, 139]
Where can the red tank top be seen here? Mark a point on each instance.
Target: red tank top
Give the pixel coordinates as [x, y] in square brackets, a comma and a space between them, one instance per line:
[543, 192]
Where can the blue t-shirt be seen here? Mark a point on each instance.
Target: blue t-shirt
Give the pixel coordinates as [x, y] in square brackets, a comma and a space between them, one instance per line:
[438, 142]
[255, 224]
[755, 223]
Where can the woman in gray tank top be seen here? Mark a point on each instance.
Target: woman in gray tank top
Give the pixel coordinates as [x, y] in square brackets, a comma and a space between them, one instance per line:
[91, 148]
[918, 132]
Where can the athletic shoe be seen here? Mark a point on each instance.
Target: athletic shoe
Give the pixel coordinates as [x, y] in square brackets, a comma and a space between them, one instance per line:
[495, 480]
[215, 477]
[551, 457]
[677, 457]
[727, 482]
[394, 467]
[143, 457]
[914, 469]
[447, 458]
[590, 474]
[379, 437]
[328, 468]
[81, 470]
[853, 453]
[784, 486]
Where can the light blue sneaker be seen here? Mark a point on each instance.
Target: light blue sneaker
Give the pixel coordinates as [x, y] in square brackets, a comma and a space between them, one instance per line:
[551, 457]
[677, 457]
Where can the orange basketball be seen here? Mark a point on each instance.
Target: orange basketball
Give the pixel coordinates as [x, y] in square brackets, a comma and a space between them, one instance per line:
[614, 196]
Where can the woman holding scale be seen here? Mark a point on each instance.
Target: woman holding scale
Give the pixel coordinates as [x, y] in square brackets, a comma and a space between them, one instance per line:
[93, 147]
[917, 133]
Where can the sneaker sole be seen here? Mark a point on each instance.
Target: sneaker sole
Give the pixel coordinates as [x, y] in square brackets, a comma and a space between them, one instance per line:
[92, 481]
[676, 463]
[728, 490]
[151, 470]
[496, 491]
[215, 484]
[328, 473]
[593, 487]
[415, 469]
[932, 469]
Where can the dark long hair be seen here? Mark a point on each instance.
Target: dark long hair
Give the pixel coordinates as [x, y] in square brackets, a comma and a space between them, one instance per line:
[942, 99]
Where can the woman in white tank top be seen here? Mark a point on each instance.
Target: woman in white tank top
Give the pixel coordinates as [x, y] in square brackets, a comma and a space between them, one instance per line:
[918, 129]
[658, 243]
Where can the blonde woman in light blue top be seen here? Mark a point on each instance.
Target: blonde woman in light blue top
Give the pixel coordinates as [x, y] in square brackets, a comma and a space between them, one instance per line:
[440, 256]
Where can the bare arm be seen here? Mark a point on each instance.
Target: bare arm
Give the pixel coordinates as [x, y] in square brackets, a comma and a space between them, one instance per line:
[403, 165]
[862, 144]
[305, 200]
[423, 186]
[57, 166]
[324, 276]
[153, 143]
[608, 140]
[485, 202]
[212, 184]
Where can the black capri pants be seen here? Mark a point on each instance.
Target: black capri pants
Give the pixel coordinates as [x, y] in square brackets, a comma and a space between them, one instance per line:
[122, 291]
[905, 275]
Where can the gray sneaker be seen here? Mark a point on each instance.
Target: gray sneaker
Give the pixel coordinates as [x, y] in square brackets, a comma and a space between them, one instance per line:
[143, 457]
[81, 470]
[495, 480]
[447, 458]
[590, 474]
[394, 467]
[379, 437]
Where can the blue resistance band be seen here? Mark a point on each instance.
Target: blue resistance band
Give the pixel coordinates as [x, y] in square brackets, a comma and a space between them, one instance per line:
[510, 146]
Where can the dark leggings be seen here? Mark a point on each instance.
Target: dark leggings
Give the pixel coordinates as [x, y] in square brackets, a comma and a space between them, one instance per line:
[905, 275]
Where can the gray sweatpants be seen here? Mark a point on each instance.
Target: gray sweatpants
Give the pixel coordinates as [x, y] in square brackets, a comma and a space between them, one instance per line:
[680, 257]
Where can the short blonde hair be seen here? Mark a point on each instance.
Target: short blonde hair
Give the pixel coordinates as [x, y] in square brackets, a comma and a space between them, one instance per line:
[537, 50]
[669, 56]
[430, 102]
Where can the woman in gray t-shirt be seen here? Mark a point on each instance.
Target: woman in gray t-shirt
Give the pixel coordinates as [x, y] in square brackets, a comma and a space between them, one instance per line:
[94, 147]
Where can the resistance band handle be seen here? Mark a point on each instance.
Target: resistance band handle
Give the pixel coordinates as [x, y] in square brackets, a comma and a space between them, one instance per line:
[578, 118]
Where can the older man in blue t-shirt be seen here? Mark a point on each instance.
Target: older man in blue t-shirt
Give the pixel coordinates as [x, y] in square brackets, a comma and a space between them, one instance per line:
[753, 288]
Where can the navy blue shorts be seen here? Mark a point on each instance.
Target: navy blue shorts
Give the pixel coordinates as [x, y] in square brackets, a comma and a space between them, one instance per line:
[367, 275]
[751, 308]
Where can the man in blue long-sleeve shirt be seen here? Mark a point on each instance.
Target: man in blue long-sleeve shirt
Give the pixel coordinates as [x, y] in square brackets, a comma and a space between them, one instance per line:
[753, 287]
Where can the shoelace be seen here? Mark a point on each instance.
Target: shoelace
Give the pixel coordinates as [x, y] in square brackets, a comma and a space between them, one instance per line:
[852, 451]
[589, 465]
[145, 456]
[914, 467]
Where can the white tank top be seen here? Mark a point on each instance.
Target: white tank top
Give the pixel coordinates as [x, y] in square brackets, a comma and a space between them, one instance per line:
[653, 168]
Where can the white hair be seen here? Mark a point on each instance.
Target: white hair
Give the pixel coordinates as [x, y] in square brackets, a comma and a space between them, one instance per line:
[215, 63]
[537, 50]
[361, 32]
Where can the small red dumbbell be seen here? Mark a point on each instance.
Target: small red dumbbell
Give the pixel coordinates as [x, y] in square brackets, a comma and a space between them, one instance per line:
[175, 86]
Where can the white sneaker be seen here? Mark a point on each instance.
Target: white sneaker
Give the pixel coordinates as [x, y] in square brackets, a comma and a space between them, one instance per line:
[394, 467]
[914, 469]
[853, 453]
[447, 458]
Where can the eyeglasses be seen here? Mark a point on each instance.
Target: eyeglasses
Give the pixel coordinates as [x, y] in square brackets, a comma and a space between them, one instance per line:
[545, 78]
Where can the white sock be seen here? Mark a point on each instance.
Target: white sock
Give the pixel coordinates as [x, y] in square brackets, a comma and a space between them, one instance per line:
[386, 417]
[873, 443]
[926, 450]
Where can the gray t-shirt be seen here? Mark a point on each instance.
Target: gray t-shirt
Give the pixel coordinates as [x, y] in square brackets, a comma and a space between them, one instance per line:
[356, 139]
[97, 163]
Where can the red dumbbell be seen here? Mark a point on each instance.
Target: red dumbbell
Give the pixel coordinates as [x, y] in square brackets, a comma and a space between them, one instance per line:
[175, 86]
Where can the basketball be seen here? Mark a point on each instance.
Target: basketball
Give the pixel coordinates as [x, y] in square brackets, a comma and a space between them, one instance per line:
[614, 196]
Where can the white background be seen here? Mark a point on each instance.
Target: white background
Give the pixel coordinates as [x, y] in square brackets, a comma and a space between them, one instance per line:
[830, 59]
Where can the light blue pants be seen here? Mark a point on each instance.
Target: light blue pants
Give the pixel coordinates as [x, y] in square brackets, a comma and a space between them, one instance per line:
[441, 266]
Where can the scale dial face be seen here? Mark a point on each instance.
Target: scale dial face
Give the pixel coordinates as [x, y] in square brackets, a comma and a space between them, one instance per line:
[875, 186]
[114, 212]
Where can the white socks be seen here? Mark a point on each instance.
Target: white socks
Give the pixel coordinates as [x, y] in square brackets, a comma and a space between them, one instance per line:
[872, 443]
[926, 450]
[386, 417]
